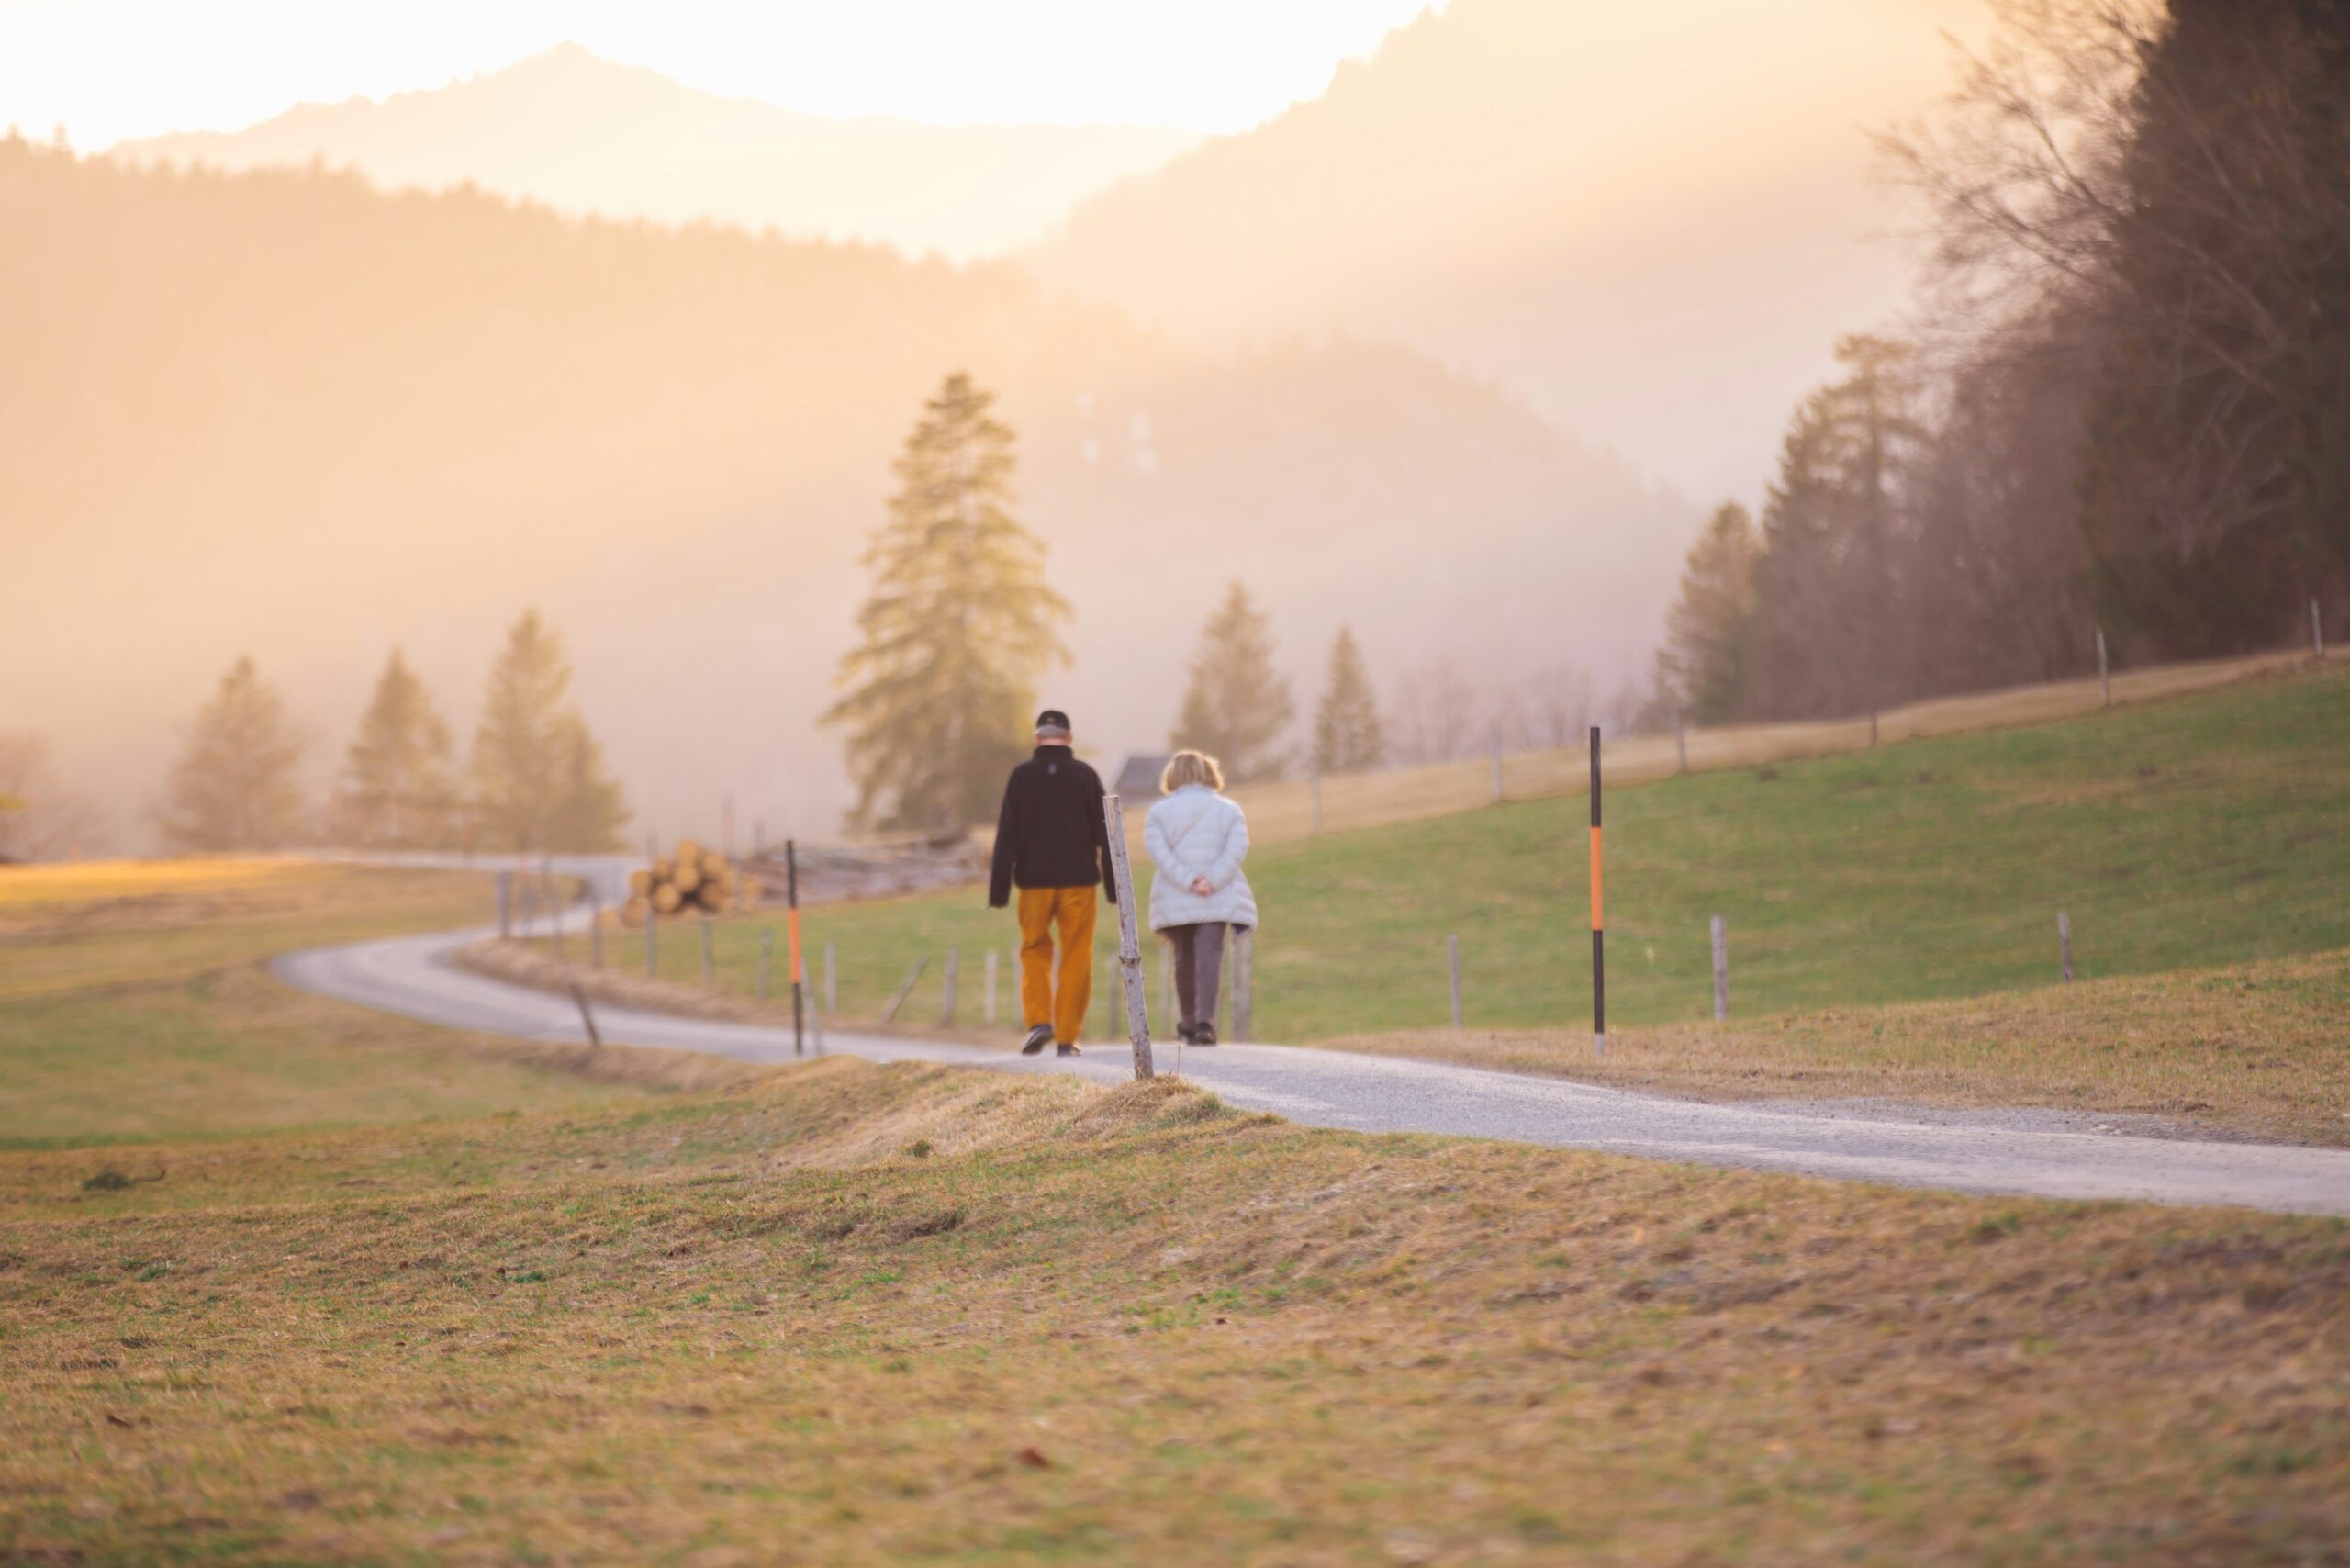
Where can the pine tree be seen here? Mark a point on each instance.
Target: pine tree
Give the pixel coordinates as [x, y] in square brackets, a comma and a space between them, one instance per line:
[958, 627]
[538, 778]
[1347, 736]
[1237, 708]
[1701, 669]
[236, 785]
[398, 792]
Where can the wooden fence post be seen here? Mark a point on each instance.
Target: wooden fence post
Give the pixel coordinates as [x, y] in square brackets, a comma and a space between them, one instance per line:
[766, 957]
[554, 923]
[1680, 741]
[906, 989]
[1452, 948]
[1721, 970]
[2317, 627]
[2104, 675]
[1129, 945]
[799, 972]
[585, 1017]
[2065, 945]
[1313, 787]
[595, 931]
[954, 968]
[990, 1005]
[505, 905]
[709, 957]
[1244, 984]
[1497, 765]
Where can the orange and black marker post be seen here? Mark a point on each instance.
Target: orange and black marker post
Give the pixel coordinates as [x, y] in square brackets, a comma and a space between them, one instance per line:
[1598, 926]
[791, 897]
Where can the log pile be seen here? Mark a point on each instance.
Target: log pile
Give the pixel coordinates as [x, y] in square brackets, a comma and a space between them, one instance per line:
[693, 881]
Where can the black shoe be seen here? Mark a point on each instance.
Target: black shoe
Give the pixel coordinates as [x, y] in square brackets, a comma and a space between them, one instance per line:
[1070, 1051]
[1204, 1035]
[1187, 1033]
[1039, 1038]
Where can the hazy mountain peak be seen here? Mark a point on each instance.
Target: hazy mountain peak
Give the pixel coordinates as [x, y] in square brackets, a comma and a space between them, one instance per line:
[587, 134]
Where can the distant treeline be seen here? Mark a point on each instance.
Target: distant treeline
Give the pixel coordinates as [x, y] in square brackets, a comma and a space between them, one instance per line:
[2129, 412]
[535, 780]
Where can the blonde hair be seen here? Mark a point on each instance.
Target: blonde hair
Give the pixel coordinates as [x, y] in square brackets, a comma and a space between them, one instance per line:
[1190, 768]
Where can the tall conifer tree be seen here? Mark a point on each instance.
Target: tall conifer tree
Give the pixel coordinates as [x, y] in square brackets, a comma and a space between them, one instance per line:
[1238, 707]
[960, 624]
[1347, 736]
[539, 781]
[1701, 669]
[396, 791]
[237, 785]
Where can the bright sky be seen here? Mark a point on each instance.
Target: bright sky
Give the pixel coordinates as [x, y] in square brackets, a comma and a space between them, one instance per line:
[110, 69]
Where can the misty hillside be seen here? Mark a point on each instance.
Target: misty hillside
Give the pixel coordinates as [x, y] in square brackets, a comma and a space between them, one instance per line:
[283, 414]
[1653, 231]
[585, 135]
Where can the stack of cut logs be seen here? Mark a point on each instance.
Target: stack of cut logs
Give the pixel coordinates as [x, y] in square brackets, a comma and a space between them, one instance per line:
[693, 881]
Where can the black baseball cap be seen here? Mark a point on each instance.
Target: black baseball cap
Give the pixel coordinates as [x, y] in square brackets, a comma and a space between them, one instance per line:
[1052, 719]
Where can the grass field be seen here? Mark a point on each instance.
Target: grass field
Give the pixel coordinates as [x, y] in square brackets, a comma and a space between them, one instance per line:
[2202, 832]
[859, 1312]
[133, 1007]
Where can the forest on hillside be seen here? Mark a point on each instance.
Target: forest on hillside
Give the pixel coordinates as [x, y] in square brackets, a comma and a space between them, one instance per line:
[286, 414]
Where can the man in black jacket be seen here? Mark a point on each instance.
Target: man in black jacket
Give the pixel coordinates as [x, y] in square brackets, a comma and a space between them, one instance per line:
[1050, 842]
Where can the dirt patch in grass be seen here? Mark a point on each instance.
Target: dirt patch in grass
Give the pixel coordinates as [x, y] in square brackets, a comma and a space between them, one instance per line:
[1124, 1326]
[2251, 1048]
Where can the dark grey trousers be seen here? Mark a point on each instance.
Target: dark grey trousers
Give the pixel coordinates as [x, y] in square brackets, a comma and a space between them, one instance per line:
[1198, 969]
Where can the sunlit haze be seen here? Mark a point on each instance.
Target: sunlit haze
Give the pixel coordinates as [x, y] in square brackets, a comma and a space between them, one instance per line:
[111, 69]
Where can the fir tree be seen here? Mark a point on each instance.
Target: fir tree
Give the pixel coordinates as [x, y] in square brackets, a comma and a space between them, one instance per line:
[236, 786]
[1347, 736]
[958, 627]
[1701, 669]
[398, 792]
[1237, 708]
[538, 777]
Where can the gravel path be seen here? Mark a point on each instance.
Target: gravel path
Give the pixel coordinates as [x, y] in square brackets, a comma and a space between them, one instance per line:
[2030, 1152]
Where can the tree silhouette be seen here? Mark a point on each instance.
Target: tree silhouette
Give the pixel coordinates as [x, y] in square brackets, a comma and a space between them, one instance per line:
[398, 792]
[958, 627]
[1347, 737]
[1701, 669]
[235, 786]
[1237, 708]
[538, 777]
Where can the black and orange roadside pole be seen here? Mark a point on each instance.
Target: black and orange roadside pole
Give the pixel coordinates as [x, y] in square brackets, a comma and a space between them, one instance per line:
[792, 898]
[1598, 926]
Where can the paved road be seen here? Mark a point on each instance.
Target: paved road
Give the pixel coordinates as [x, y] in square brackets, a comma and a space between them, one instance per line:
[2038, 1153]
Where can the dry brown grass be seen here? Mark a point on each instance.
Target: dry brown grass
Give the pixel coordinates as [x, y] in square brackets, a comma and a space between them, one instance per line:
[2254, 1048]
[759, 1327]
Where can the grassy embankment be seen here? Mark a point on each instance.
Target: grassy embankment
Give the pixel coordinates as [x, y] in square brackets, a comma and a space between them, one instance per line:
[851, 1313]
[2200, 845]
[133, 1006]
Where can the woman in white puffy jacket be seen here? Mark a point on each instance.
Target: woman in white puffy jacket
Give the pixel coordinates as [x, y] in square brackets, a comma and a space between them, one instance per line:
[1196, 839]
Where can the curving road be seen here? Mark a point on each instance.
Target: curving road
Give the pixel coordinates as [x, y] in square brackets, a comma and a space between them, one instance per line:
[2042, 1154]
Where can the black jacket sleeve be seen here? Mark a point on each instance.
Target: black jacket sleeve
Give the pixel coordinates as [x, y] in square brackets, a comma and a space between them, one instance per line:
[1006, 848]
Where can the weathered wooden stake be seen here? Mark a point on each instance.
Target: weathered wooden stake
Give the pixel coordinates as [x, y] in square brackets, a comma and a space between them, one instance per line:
[1314, 788]
[1129, 945]
[585, 1017]
[798, 974]
[990, 1007]
[2104, 675]
[766, 957]
[708, 956]
[505, 905]
[954, 968]
[2317, 627]
[554, 923]
[890, 1017]
[1871, 726]
[1453, 949]
[1497, 765]
[1243, 983]
[1721, 970]
[595, 931]
[1680, 742]
[1598, 926]
[2065, 945]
